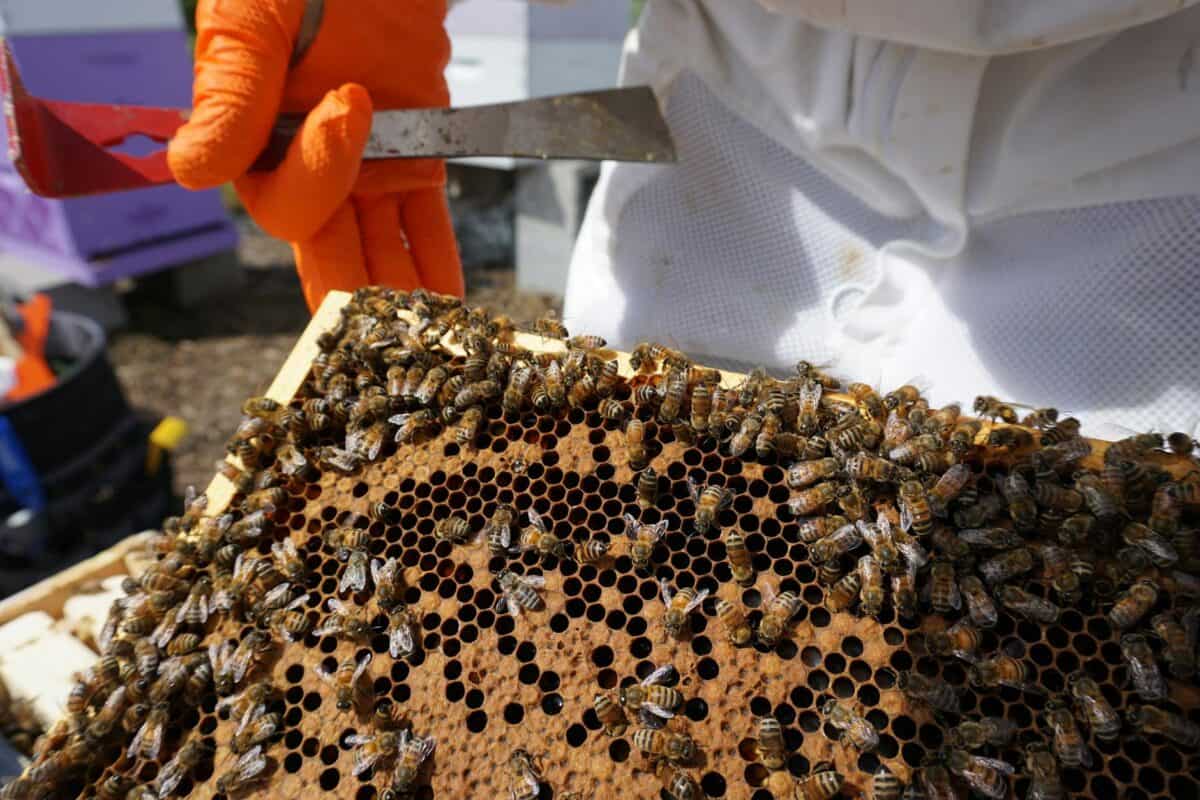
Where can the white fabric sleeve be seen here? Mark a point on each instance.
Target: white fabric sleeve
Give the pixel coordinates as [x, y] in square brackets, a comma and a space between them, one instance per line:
[979, 27]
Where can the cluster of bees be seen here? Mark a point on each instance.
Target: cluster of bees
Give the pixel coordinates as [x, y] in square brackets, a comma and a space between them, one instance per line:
[902, 507]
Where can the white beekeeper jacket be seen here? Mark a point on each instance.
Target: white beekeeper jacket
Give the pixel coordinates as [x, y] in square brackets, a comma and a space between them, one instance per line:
[999, 196]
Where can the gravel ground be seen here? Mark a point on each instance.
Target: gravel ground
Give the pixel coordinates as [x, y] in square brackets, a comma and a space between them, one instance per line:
[201, 362]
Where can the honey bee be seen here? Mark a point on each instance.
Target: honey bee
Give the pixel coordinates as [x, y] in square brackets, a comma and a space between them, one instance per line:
[1021, 504]
[520, 592]
[1179, 649]
[810, 406]
[672, 398]
[592, 551]
[1011, 438]
[650, 698]
[373, 749]
[986, 776]
[881, 538]
[710, 501]
[842, 594]
[1133, 604]
[102, 724]
[1157, 721]
[498, 531]
[815, 498]
[870, 404]
[765, 442]
[401, 633]
[582, 391]
[537, 538]
[231, 665]
[771, 749]
[780, 610]
[255, 732]
[250, 703]
[933, 692]
[836, 544]
[346, 623]
[389, 584]
[248, 769]
[1147, 679]
[736, 626]
[964, 437]
[643, 540]
[635, 439]
[1100, 502]
[610, 715]
[1044, 780]
[678, 748]
[823, 783]
[904, 592]
[908, 451]
[1156, 546]
[973, 734]
[915, 513]
[947, 488]
[980, 607]
[679, 606]
[856, 730]
[147, 742]
[739, 557]
[942, 590]
[1006, 565]
[345, 679]
[647, 488]
[992, 538]
[1093, 707]
[813, 529]
[1003, 671]
[962, 640]
[408, 427]
[747, 433]
[1069, 745]
[114, 787]
[527, 779]
[1028, 605]
[992, 408]
[183, 644]
[677, 783]
[871, 593]
[806, 473]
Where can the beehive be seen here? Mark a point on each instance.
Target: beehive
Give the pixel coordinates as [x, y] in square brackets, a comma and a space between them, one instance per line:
[484, 683]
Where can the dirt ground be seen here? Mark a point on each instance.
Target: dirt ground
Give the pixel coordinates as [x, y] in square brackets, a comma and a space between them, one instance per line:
[199, 363]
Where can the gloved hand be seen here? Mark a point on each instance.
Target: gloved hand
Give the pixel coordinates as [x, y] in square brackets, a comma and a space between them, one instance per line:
[351, 223]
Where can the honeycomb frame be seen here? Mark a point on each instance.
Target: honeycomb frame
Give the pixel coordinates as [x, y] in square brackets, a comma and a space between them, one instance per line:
[484, 683]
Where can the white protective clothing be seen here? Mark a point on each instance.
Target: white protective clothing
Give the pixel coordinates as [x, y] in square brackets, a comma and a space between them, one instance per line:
[999, 196]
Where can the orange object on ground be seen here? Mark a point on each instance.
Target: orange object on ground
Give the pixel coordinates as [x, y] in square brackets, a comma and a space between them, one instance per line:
[350, 223]
[33, 373]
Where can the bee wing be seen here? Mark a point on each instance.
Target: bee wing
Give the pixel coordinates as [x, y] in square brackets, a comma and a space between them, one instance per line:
[658, 710]
[955, 599]
[536, 581]
[250, 715]
[531, 778]
[906, 519]
[276, 595]
[996, 764]
[424, 748]
[363, 662]
[535, 519]
[251, 763]
[693, 489]
[665, 588]
[631, 526]
[657, 530]
[165, 631]
[696, 601]
[726, 499]
[659, 675]
[297, 603]
[400, 641]
[399, 419]
[377, 571]
[354, 574]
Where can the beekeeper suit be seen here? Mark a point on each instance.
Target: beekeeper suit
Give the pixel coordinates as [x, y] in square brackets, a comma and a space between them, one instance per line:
[999, 197]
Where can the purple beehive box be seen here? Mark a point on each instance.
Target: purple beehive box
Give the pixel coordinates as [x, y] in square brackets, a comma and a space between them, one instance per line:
[96, 240]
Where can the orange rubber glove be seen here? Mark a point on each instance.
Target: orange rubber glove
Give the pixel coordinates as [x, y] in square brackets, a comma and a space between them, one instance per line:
[351, 223]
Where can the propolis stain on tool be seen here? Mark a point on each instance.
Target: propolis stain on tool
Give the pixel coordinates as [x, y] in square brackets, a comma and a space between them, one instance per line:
[388, 653]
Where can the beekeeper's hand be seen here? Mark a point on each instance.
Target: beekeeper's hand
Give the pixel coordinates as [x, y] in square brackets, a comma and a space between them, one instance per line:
[350, 223]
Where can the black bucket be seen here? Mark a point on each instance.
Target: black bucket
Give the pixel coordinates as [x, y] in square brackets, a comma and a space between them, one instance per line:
[74, 460]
